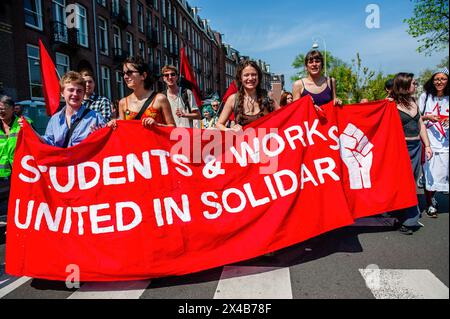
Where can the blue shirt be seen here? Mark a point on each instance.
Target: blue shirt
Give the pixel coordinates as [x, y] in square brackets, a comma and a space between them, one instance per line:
[57, 127]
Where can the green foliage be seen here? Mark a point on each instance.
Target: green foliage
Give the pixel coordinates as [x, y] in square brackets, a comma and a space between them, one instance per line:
[430, 25]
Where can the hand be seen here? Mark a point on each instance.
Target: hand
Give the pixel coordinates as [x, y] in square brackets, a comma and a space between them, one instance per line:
[444, 123]
[356, 152]
[94, 128]
[390, 99]
[180, 113]
[337, 102]
[20, 122]
[236, 128]
[428, 152]
[433, 118]
[112, 124]
[148, 122]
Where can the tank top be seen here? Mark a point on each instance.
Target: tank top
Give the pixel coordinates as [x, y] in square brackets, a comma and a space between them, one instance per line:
[149, 112]
[244, 119]
[410, 124]
[319, 98]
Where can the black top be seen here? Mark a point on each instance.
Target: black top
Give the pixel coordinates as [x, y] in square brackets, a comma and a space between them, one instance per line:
[410, 124]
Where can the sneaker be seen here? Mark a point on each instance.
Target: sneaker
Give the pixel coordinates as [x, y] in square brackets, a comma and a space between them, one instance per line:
[432, 212]
[405, 230]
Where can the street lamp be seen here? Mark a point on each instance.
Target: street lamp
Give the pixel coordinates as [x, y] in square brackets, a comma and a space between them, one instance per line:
[316, 46]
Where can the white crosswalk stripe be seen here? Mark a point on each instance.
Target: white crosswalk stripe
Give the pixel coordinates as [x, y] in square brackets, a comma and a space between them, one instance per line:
[404, 284]
[239, 282]
[12, 286]
[111, 290]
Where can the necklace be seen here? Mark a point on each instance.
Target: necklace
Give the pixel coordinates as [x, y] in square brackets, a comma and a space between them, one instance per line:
[251, 103]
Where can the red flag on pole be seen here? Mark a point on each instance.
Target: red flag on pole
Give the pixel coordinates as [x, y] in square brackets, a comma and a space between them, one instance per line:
[232, 89]
[189, 77]
[50, 82]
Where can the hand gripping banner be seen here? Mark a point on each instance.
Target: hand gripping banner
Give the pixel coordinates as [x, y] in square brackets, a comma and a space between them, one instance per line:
[136, 203]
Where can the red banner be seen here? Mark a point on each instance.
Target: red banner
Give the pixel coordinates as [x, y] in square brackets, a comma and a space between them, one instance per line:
[50, 82]
[136, 203]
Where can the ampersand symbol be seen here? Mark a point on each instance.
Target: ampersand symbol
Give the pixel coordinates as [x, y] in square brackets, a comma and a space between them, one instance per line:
[212, 168]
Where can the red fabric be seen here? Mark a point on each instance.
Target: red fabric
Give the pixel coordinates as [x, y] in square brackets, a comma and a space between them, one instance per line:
[232, 89]
[188, 74]
[165, 244]
[50, 81]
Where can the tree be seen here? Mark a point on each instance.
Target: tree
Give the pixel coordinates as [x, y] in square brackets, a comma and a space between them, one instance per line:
[430, 25]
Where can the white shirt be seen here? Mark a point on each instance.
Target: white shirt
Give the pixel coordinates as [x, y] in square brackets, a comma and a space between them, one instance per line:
[437, 133]
[178, 103]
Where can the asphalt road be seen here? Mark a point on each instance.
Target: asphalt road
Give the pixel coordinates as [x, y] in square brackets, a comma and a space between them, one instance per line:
[331, 266]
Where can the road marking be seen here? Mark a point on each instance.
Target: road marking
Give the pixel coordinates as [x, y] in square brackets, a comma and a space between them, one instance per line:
[404, 284]
[238, 282]
[12, 286]
[111, 290]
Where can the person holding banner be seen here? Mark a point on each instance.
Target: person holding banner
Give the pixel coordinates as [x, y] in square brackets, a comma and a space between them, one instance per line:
[144, 103]
[74, 122]
[286, 98]
[250, 103]
[321, 89]
[434, 104]
[415, 133]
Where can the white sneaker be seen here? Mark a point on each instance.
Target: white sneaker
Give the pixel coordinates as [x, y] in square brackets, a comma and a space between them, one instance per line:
[432, 212]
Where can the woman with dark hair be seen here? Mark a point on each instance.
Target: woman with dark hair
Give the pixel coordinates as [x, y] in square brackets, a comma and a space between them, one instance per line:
[415, 132]
[143, 103]
[434, 104]
[286, 98]
[321, 89]
[250, 103]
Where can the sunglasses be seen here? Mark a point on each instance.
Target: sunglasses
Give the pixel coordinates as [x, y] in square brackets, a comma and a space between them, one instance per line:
[128, 72]
[166, 75]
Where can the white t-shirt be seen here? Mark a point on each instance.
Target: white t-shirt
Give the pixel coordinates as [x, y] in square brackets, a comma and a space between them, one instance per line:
[437, 133]
[178, 103]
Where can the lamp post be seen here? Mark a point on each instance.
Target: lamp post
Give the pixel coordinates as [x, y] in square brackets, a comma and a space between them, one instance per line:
[316, 46]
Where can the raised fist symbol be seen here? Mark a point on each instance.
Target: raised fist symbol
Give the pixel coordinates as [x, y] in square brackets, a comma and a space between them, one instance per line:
[356, 152]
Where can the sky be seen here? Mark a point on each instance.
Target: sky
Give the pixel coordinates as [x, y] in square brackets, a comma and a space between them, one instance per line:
[277, 31]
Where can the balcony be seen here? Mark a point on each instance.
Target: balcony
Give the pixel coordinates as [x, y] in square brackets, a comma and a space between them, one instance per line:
[119, 15]
[62, 37]
[152, 37]
[119, 55]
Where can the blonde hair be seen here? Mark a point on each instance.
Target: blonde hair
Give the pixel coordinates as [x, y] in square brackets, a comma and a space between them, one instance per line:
[169, 68]
[72, 77]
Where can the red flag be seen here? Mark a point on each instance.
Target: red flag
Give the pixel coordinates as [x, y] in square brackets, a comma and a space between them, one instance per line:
[189, 77]
[50, 82]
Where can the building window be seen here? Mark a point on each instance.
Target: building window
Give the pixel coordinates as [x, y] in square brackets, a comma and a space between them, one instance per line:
[106, 82]
[115, 7]
[175, 18]
[103, 35]
[155, 4]
[34, 71]
[142, 49]
[119, 84]
[128, 10]
[81, 16]
[164, 36]
[170, 42]
[33, 14]
[157, 29]
[163, 8]
[150, 56]
[140, 16]
[169, 12]
[59, 21]
[117, 40]
[149, 20]
[62, 63]
[175, 44]
[129, 38]
[102, 2]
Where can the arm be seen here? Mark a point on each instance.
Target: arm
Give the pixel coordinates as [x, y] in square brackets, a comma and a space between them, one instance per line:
[336, 100]
[225, 115]
[166, 110]
[122, 109]
[425, 139]
[297, 90]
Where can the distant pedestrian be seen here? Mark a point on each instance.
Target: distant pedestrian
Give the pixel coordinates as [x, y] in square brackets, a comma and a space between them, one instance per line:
[322, 89]
[94, 101]
[414, 129]
[286, 98]
[434, 106]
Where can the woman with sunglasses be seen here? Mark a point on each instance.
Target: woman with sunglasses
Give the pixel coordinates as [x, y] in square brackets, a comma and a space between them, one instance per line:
[414, 129]
[434, 104]
[136, 74]
[321, 89]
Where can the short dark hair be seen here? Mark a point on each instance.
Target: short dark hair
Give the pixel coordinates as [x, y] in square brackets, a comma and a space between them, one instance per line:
[142, 67]
[313, 54]
[389, 84]
[7, 101]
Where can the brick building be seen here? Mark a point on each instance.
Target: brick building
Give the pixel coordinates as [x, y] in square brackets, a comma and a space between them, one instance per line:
[100, 34]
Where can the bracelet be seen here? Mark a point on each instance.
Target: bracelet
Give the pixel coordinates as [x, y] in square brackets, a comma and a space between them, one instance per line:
[427, 146]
